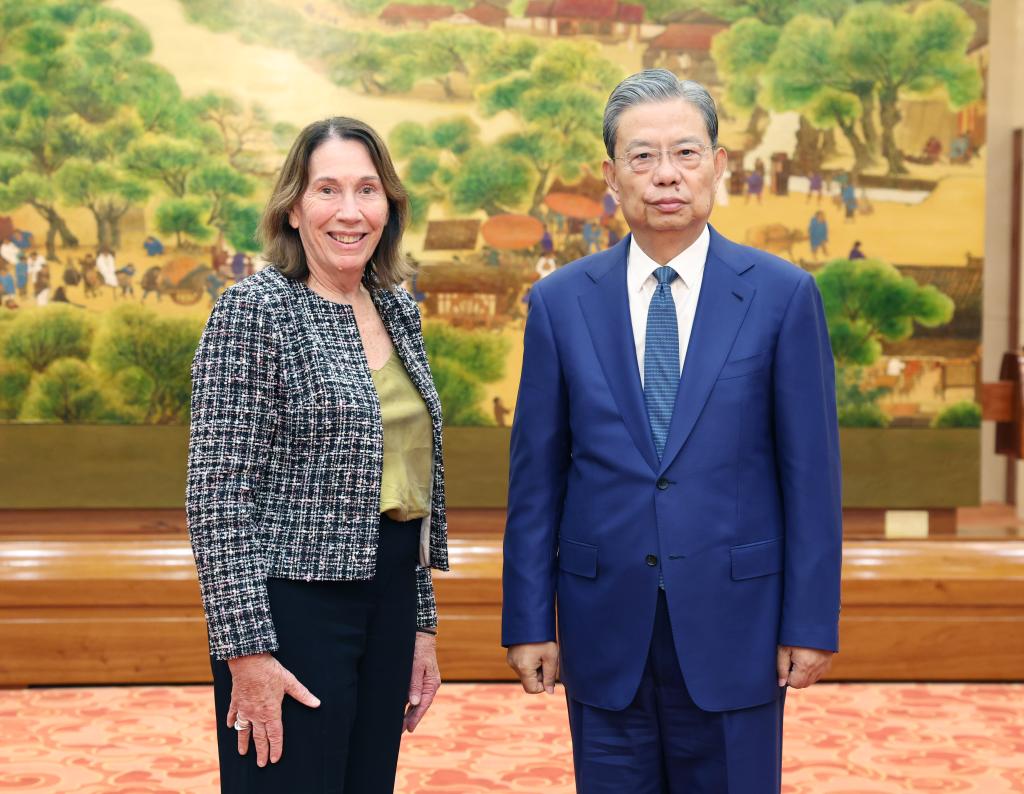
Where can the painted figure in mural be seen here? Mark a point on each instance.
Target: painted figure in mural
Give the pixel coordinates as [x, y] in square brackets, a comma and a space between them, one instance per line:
[9, 251]
[315, 498]
[856, 252]
[546, 265]
[501, 412]
[815, 184]
[755, 183]
[153, 246]
[21, 274]
[848, 195]
[106, 266]
[238, 266]
[666, 510]
[41, 285]
[125, 276]
[817, 231]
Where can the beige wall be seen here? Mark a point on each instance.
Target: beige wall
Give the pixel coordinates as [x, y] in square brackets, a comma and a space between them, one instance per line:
[1005, 112]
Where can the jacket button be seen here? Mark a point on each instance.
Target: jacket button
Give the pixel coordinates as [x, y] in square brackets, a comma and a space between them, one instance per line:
[662, 483]
[651, 560]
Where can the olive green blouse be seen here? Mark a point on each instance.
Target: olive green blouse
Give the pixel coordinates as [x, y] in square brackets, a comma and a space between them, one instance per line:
[408, 443]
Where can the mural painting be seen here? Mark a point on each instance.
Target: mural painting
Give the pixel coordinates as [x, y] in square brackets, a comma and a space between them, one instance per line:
[139, 140]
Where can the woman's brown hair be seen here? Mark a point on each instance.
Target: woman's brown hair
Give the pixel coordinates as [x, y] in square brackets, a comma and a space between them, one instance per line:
[282, 246]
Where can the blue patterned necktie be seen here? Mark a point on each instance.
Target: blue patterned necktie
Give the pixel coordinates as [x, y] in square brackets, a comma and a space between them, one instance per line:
[661, 358]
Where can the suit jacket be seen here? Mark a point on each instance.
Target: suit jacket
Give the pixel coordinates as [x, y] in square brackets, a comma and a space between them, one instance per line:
[286, 452]
[742, 511]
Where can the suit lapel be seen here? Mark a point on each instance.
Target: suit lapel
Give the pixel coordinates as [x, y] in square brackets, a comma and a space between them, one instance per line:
[606, 311]
[724, 300]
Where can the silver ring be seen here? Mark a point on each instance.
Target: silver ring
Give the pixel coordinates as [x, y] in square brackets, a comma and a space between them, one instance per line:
[242, 725]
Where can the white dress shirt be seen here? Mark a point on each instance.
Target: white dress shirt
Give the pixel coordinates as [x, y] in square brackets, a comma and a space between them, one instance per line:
[641, 283]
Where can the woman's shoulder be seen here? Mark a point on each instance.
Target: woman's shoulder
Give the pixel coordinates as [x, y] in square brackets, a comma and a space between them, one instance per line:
[268, 289]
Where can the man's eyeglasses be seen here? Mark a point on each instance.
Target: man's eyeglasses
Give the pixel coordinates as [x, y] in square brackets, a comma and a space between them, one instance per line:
[685, 156]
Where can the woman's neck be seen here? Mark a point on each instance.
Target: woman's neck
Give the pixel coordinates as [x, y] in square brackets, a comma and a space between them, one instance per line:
[343, 289]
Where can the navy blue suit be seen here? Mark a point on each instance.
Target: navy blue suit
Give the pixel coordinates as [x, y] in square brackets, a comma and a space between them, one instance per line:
[742, 513]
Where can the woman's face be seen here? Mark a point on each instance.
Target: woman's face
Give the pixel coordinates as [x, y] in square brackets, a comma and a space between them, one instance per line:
[342, 211]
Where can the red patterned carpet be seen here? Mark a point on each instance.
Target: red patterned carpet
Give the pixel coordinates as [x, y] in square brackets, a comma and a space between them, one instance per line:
[840, 739]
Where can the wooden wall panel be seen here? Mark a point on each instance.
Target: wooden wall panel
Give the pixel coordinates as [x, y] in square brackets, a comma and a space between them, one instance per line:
[115, 610]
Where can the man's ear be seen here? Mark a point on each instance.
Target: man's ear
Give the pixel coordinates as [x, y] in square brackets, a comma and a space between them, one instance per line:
[721, 161]
[610, 179]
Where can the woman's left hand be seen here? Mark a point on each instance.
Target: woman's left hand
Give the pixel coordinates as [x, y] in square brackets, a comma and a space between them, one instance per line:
[426, 679]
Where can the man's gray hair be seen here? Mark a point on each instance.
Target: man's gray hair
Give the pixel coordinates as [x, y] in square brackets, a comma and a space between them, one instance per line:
[656, 85]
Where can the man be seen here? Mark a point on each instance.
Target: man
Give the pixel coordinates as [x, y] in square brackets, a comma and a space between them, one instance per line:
[675, 480]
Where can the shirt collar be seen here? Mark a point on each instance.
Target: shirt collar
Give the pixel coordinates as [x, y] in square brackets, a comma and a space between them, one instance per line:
[688, 263]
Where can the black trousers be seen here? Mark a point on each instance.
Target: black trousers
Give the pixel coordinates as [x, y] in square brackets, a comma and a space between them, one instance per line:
[351, 644]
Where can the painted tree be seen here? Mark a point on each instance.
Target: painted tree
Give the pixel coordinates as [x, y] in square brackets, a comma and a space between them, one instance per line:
[183, 217]
[166, 161]
[106, 191]
[220, 185]
[68, 391]
[445, 162]
[901, 51]
[740, 54]
[558, 101]
[158, 351]
[462, 362]
[804, 73]
[37, 339]
[867, 302]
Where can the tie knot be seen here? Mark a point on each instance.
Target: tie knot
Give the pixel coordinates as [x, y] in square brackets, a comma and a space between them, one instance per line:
[665, 275]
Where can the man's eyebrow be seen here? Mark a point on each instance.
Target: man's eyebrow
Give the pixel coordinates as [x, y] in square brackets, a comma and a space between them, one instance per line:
[641, 142]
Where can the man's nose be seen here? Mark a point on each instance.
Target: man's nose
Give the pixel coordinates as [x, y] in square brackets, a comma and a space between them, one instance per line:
[666, 172]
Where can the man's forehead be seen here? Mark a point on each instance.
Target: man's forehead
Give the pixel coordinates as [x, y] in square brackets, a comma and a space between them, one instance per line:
[674, 119]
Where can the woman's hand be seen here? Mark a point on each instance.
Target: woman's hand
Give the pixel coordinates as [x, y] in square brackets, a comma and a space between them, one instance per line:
[426, 679]
[258, 685]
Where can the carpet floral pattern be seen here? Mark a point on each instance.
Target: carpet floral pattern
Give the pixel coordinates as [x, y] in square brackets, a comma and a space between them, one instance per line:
[840, 739]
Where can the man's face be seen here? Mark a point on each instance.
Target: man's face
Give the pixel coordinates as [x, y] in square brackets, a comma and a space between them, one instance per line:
[675, 197]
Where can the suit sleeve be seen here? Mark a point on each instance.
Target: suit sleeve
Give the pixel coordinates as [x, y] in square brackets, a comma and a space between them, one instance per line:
[234, 380]
[538, 466]
[810, 474]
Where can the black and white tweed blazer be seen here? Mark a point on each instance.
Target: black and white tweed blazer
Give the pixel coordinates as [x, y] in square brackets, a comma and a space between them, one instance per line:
[286, 452]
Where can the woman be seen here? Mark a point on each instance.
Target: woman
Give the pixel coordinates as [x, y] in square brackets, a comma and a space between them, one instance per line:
[315, 490]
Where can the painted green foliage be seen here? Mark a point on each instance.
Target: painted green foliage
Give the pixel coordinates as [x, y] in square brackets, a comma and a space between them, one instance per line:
[461, 362]
[868, 301]
[90, 122]
[837, 64]
[59, 364]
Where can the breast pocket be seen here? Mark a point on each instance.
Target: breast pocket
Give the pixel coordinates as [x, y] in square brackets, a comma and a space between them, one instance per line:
[737, 368]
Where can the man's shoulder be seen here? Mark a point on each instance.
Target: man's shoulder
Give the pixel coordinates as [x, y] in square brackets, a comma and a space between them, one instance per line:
[570, 276]
[767, 269]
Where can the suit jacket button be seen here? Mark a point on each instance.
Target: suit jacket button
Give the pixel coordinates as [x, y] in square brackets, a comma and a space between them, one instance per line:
[662, 484]
[651, 560]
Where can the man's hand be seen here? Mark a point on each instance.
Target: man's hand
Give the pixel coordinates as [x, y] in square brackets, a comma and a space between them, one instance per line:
[426, 679]
[536, 664]
[801, 667]
[258, 685]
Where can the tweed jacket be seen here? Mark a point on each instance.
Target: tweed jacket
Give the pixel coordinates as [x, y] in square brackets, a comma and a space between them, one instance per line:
[286, 452]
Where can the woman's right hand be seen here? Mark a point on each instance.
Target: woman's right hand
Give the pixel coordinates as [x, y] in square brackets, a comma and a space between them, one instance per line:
[258, 685]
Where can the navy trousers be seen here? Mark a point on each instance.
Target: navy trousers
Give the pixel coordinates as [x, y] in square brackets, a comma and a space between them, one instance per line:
[351, 644]
[663, 743]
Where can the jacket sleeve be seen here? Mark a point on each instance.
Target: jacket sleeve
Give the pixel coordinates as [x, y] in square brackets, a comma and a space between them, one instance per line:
[538, 467]
[426, 608]
[810, 473]
[234, 386]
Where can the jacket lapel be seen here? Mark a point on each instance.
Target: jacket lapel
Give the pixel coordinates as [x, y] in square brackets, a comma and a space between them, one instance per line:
[724, 300]
[606, 311]
[396, 321]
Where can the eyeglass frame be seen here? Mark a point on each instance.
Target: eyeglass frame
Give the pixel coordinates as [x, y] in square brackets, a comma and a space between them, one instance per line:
[702, 148]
